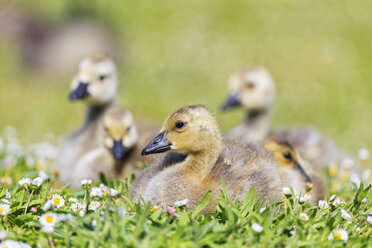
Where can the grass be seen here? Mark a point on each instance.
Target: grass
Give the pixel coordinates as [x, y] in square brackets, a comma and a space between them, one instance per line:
[115, 221]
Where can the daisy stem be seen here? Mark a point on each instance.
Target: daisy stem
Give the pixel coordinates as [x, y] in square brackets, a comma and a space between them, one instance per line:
[85, 195]
[51, 241]
[28, 201]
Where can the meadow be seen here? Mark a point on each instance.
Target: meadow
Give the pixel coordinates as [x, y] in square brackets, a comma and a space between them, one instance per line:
[175, 53]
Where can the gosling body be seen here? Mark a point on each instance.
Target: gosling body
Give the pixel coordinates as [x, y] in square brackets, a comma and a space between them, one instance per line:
[199, 159]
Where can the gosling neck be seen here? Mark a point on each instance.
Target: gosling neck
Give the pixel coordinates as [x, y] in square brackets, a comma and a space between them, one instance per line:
[201, 163]
[258, 120]
[95, 112]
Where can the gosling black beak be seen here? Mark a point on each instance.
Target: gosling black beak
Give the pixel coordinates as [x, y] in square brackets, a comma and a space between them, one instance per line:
[231, 102]
[303, 172]
[80, 92]
[118, 150]
[157, 145]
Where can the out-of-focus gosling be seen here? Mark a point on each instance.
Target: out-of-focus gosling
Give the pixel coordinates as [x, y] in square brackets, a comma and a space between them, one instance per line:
[119, 154]
[301, 178]
[96, 85]
[253, 89]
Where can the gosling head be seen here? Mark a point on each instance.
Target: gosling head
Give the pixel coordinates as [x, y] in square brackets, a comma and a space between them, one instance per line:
[286, 156]
[189, 130]
[96, 81]
[251, 88]
[120, 132]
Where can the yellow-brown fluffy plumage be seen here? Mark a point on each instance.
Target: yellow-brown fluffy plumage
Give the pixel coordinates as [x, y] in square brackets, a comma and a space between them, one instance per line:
[197, 161]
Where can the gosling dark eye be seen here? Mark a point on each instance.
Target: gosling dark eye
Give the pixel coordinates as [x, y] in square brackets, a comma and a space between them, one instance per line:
[180, 124]
[250, 85]
[287, 155]
[102, 77]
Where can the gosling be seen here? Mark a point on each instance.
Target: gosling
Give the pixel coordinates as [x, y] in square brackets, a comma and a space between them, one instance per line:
[95, 84]
[301, 179]
[119, 154]
[253, 89]
[198, 159]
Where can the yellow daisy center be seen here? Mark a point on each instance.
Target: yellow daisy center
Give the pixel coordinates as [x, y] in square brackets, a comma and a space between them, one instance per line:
[105, 192]
[2, 210]
[333, 170]
[50, 219]
[57, 201]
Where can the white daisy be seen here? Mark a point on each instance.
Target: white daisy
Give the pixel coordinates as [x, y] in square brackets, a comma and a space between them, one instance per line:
[48, 221]
[181, 203]
[94, 223]
[86, 182]
[13, 244]
[58, 201]
[337, 202]
[82, 205]
[304, 217]
[364, 200]
[113, 192]
[105, 189]
[74, 207]
[82, 213]
[6, 201]
[345, 215]
[363, 154]
[95, 191]
[323, 204]
[4, 209]
[256, 227]
[24, 182]
[338, 234]
[304, 198]
[286, 191]
[369, 219]
[37, 181]
[47, 205]
[94, 205]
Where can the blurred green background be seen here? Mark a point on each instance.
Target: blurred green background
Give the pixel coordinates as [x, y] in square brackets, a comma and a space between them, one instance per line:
[174, 53]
